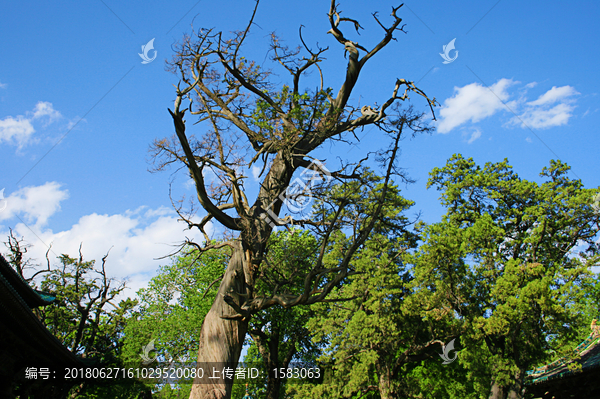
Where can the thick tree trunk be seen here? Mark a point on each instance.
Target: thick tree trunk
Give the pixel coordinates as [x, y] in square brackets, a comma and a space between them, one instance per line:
[273, 387]
[268, 347]
[273, 384]
[497, 391]
[221, 340]
[513, 391]
[386, 389]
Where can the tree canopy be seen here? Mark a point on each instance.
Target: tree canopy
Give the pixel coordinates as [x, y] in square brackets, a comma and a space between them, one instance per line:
[511, 259]
[507, 275]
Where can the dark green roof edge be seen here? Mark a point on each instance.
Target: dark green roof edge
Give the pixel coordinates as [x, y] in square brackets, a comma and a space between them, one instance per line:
[32, 298]
[29, 326]
[46, 296]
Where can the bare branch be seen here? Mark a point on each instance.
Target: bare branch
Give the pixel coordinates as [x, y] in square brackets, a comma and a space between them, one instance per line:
[196, 171]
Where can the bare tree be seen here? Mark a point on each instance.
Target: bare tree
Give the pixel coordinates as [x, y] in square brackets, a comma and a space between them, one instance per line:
[16, 257]
[251, 121]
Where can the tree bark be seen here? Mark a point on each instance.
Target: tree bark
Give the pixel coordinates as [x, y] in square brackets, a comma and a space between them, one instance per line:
[386, 390]
[273, 388]
[221, 339]
[273, 384]
[269, 350]
[496, 391]
[513, 391]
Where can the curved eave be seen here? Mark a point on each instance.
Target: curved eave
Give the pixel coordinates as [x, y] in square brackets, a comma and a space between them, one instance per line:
[31, 297]
[30, 340]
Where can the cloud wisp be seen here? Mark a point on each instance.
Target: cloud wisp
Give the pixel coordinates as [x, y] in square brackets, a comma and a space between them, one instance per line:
[475, 102]
[18, 130]
[553, 108]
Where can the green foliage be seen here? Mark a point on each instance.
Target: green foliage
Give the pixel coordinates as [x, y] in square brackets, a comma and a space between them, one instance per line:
[289, 256]
[303, 110]
[432, 379]
[174, 305]
[360, 199]
[115, 389]
[503, 259]
[280, 336]
[83, 316]
[372, 332]
[507, 272]
[180, 391]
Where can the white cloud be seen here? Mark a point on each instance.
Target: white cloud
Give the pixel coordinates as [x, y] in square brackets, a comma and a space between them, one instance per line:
[19, 130]
[474, 136]
[16, 131]
[3, 85]
[542, 113]
[44, 108]
[554, 94]
[36, 204]
[473, 102]
[135, 238]
[537, 118]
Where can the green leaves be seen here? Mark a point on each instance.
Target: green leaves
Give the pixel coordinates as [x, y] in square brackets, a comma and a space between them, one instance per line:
[83, 316]
[504, 259]
[304, 111]
[371, 334]
[174, 305]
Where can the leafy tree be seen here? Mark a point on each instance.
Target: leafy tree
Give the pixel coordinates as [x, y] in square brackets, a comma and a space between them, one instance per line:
[84, 316]
[511, 259]
[79, 316]
[373, 335]
[433, 379]
[177, 299]
[280, 335]
[171, 309]
[248, 120]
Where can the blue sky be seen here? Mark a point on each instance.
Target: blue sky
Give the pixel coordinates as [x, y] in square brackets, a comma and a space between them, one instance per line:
[78, 109]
